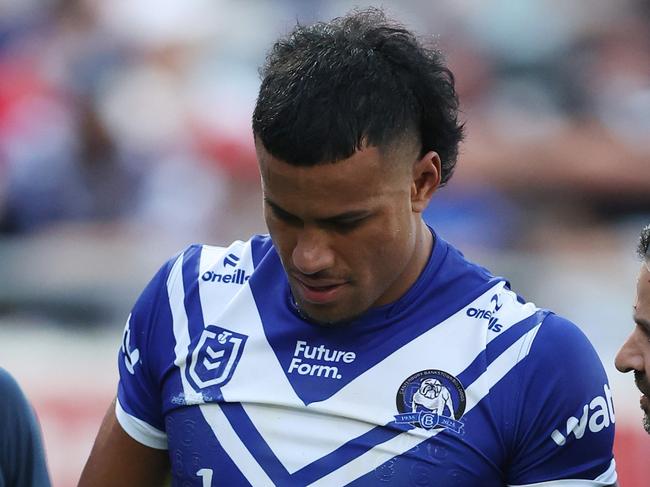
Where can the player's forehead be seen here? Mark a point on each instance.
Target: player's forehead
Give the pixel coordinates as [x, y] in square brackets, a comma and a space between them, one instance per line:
[363, 181]
[369, 161]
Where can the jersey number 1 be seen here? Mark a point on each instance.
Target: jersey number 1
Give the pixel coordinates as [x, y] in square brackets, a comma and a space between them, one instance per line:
[206, 474]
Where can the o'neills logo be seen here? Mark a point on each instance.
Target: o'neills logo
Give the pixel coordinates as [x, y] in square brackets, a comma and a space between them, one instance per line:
[238, 276]
[319, 361]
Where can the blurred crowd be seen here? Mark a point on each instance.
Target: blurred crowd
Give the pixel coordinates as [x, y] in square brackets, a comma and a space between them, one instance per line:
[137, 114]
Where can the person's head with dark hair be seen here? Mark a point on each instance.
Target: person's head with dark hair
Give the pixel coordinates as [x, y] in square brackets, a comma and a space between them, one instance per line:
[634, 354]
[356, 126]
[330, 89]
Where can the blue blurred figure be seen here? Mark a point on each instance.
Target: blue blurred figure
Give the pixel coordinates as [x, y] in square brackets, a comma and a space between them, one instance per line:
[22, 459]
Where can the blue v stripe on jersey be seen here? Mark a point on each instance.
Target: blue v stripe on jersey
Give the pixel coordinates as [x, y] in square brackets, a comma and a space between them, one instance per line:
[192, 301]
[348, 452]
[255, 443]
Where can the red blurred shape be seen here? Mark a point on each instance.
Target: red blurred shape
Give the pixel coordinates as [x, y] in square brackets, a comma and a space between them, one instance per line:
[632, 453]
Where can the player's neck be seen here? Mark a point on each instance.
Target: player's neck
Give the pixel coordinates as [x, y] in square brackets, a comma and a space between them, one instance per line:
[419, 260]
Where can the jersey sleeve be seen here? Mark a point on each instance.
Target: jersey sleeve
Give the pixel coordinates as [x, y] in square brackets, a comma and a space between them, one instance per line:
[562, 416]
[139, 405]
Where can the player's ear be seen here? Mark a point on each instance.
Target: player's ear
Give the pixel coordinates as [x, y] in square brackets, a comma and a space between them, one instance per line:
[426, 179]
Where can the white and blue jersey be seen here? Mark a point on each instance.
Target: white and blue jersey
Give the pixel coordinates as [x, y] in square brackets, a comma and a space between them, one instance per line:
[459, 383]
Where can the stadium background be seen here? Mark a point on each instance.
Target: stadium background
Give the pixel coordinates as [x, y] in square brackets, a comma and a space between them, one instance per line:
[124, 136]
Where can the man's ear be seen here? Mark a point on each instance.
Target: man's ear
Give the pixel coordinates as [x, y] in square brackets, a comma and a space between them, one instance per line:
[426, 179]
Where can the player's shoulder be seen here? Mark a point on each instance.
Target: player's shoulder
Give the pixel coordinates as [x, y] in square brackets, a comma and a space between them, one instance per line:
[196, 263]
[237, 252]
[563, 368]
[561, 358]
[253, 249]
[560, 341]
[245, 254]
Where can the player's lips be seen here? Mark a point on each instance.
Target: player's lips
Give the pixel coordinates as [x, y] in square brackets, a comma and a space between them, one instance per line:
[319, 291]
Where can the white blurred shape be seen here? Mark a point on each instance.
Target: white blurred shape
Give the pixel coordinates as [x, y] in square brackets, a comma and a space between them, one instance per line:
[143, 107]
[525, 109]
[522, 31]
[160, 22]
[224, 102]
[183, 196]
[625, 109]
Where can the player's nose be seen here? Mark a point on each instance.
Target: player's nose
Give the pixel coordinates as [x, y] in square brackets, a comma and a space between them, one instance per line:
[312, 252]
[630, 355]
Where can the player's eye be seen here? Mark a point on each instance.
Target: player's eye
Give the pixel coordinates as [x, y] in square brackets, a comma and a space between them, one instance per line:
[346, 224]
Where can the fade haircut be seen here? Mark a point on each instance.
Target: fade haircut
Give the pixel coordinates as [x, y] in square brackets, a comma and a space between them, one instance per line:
[643, 250]
[332, 88]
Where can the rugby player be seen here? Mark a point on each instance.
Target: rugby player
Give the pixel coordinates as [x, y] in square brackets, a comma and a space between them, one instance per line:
[351, 345]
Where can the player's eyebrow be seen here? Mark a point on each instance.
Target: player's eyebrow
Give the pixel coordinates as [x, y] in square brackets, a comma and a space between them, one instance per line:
[278, 209]
[345, 216]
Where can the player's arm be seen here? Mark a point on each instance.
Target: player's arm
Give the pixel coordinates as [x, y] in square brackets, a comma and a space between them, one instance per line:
[117, 459]
[131, 446]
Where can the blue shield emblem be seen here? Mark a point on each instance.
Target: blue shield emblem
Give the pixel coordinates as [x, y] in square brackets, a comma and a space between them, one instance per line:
[215, 356]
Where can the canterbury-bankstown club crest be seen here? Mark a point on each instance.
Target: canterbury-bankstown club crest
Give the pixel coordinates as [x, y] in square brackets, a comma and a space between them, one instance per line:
[431, 399]
[215, 356]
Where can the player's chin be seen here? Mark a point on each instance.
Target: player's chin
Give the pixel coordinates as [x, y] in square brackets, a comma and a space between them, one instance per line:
[332, 316]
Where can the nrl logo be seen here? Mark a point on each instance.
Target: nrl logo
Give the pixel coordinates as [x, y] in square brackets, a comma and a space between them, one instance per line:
[215, 356]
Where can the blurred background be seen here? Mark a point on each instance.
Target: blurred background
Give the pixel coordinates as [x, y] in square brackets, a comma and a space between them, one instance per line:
[125, 135]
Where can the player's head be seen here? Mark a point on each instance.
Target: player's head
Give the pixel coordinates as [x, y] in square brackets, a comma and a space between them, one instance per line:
[634, 355]
[355, 127]
[362, 80]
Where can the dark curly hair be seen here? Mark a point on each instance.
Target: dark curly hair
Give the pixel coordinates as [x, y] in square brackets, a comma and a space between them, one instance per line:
[643, 249]
[331, 88]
